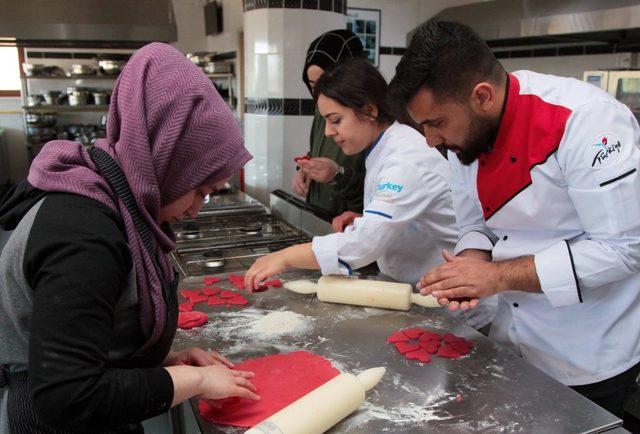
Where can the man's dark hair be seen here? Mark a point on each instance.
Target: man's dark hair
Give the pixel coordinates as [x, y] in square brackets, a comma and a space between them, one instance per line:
[355, 84]
[447, 58]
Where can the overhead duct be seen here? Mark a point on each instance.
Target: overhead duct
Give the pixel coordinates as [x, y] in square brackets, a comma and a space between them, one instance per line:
[558, 23]
[87, 22]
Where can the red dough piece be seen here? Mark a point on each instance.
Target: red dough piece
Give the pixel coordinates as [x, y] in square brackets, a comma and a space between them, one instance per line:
[420, 355]
[448, 353]
[216, 301]
[280, 380]
[276, 283]
[238, 301]
[405, 347]
[430, 336]
[238, 284]
[448, 338]
[189, 320]
[185, 307]
[195, 299]
[430, 346]
[211, 291]
[187, 293]
[397, 337]
[303, 157]
[211, 280]
[463, 347]
[413, 333]
[228, 294]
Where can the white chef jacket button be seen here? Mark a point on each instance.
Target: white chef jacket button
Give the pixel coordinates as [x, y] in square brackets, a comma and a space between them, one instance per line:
[515, 304]
[505, 238]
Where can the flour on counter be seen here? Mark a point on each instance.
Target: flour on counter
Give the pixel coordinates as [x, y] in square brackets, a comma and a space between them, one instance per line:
[280, 323]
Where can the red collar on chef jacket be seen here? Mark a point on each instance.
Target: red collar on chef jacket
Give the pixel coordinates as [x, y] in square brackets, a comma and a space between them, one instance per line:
[530, 132]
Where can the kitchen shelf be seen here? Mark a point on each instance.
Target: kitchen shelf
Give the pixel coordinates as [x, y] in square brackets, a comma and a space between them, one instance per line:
[73, 77]
[221, 75]
[66, 108]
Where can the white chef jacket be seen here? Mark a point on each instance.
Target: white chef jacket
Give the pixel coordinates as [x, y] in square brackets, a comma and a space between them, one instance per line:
[407, 219]
[561, 183]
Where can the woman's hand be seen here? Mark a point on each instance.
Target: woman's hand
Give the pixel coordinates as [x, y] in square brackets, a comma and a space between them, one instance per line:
[196, 357]
[218, 382]
[343, 220]
[265, 267]
[300, 183]
[319, 169]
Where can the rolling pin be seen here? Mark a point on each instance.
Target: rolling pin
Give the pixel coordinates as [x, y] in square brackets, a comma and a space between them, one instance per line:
[372, 293]
[323, 407]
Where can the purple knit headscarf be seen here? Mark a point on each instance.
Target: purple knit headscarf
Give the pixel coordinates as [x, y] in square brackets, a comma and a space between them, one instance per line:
[170, 132]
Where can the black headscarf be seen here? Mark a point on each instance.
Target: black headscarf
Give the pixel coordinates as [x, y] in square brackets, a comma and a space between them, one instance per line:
[330, 49]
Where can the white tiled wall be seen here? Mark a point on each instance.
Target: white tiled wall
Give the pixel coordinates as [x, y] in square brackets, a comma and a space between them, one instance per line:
[276, 41]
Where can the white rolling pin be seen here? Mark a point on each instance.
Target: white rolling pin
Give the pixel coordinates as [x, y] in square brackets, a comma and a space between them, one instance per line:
[323, 407]
[372, 293]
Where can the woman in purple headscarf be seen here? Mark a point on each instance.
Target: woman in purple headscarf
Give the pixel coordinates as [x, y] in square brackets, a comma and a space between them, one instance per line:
[87, 292]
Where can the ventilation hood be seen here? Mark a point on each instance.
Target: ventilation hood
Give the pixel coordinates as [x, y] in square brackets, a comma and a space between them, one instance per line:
[513, 23]
[87, 22]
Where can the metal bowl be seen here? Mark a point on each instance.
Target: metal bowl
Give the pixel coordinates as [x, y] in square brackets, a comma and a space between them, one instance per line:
[81, 69]
[111, 67]
[51, 97]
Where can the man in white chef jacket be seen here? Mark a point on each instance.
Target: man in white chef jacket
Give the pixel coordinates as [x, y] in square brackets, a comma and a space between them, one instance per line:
[545, 186]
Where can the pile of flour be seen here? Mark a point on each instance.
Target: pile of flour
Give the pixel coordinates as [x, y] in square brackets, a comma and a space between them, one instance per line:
[280, 323]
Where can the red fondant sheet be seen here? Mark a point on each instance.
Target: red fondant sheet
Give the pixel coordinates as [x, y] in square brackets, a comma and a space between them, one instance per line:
[280, 380]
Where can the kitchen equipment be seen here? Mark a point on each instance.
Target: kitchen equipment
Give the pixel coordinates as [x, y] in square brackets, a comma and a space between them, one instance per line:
[625, 87]
[81, 69]
[38, 134]
[229, 239]
[34, 100]
[323, 407]
[597, 78]
[200, 58]
[111, 67]
[100, 98]
[371, 293]
[41, 119]
[217, 67]
[51, 97]
[33, 70]
[78, 96]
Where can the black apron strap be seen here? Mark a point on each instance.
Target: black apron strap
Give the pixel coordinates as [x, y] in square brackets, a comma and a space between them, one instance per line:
[113, 174]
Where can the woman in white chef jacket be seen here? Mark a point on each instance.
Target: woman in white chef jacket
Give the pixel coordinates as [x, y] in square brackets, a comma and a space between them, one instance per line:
[408, 218]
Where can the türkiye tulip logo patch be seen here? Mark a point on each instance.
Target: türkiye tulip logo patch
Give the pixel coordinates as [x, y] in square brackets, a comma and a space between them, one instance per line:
[603, 151]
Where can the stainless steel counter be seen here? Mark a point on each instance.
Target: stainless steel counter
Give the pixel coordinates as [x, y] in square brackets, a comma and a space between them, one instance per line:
[490, 390]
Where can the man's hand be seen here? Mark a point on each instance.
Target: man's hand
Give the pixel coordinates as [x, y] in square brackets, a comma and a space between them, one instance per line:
[343, 220]
[300, 183]
[461, 277]
[319, 169]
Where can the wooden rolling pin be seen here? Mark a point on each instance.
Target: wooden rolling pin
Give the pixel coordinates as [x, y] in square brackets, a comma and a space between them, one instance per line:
[372, 293]
[323, 407]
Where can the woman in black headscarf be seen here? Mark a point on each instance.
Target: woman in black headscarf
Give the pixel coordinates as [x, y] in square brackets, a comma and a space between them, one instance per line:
[330, 180]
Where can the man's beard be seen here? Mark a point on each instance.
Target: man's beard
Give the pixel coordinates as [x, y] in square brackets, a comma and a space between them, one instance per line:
[482, 135]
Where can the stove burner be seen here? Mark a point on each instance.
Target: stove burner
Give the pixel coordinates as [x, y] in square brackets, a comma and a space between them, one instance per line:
[191, 227]
[190, 235]
[214, 260]
[252, 229]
